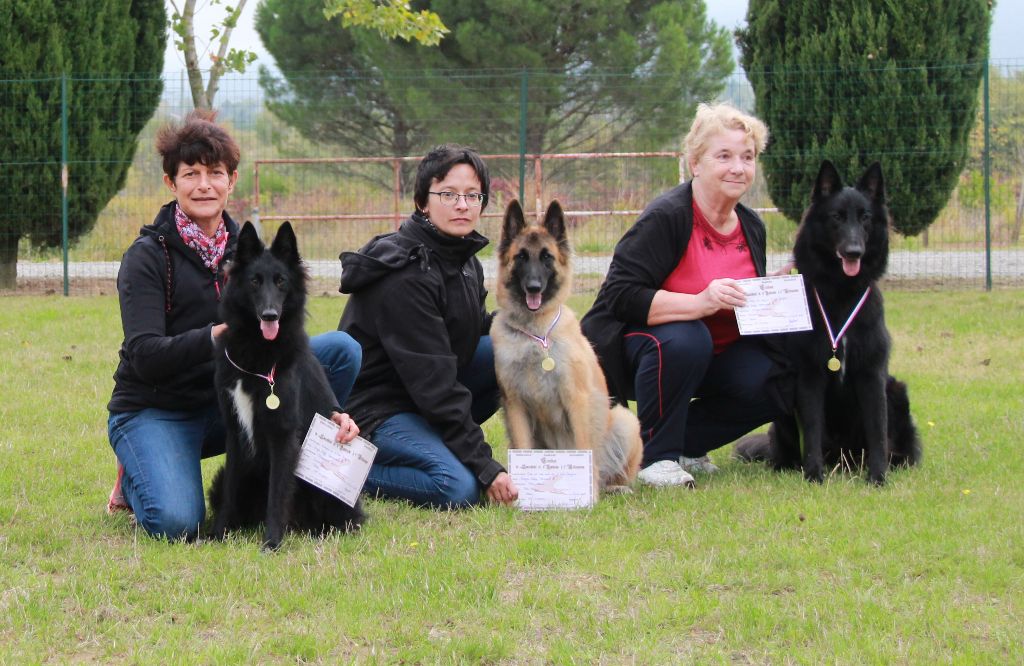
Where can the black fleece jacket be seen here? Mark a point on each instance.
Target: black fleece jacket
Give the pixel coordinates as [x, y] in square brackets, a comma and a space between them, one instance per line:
[169, 303]
[643, 259]
[417, 308]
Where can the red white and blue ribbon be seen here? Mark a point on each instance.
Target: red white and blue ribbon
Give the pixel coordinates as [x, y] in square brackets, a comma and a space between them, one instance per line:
[543, 341]
[834, 339]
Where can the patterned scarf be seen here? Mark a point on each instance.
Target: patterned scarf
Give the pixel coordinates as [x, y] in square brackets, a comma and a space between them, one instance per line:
[210, 250]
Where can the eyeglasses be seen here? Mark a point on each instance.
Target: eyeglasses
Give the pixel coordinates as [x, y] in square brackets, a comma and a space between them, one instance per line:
[473, 199]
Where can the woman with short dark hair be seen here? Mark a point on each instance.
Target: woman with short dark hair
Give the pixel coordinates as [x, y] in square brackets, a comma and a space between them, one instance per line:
[164, 416]
[417, 308]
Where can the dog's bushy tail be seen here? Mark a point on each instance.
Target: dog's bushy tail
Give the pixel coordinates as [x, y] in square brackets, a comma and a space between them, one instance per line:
[756, 447]
[904, 441]
[624, 450]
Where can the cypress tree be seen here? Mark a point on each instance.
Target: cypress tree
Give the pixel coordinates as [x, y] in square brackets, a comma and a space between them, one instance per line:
[856, 82]
[112, 53]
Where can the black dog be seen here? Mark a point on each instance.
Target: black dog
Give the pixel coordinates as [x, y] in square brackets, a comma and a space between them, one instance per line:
[848, 407]
[264, 306]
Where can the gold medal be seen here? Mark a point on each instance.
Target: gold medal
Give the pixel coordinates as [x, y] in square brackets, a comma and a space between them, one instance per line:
[834, 364]
[548, 364]
[273, 402]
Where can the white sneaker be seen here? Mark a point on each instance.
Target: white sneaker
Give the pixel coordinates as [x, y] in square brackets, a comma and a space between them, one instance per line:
[702, 465]
[665, 473]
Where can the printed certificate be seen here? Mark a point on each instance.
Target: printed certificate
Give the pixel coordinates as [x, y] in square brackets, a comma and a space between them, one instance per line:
[775, 304]
[337, 469]
[552, 479]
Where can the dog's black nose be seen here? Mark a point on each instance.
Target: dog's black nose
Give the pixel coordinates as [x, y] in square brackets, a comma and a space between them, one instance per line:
[533, 287]
[269, 315]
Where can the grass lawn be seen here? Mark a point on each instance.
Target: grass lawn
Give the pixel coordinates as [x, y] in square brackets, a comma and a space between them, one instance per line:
[751, 567]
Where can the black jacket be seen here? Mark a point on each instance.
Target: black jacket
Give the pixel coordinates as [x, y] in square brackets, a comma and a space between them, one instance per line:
[643, 260]
[169, 305]
[417, 308]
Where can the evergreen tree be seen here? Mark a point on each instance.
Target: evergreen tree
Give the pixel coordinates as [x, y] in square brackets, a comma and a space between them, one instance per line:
[597, 71]
[112, 52]
[857, 82]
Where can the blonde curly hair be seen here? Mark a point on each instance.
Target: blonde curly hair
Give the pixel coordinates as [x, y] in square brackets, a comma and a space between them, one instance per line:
[711, 119]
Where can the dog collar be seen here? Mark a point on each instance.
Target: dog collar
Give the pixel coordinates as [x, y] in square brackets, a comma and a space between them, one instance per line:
[272, 401]
[548, 364]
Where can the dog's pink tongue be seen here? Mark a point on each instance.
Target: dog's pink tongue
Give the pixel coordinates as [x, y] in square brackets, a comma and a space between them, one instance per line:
[269, 329]
[851, 266]
[533, 301]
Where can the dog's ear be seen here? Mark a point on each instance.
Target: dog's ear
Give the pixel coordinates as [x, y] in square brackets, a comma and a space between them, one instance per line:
[872, 183]
[249, 244]
[554, 222]
[285, 246]
[512, 226]
[828, 181]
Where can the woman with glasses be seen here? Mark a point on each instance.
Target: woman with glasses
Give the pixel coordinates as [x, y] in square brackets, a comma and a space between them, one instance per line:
[416, 307]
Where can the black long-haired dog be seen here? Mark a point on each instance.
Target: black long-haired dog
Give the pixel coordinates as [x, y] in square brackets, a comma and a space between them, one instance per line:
[269, 386]
[848, 407]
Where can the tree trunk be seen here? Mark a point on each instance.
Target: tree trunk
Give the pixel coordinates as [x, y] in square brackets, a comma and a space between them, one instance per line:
[195, 75]
[218, 64]
[9, 260]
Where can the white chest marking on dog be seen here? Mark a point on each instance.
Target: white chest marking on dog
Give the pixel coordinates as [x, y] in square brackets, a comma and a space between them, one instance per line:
[244, 411]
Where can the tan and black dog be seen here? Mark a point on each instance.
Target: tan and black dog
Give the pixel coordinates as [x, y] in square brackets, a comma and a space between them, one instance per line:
[555, 395]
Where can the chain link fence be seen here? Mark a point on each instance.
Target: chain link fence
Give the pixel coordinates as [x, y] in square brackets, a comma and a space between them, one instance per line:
[339, 191]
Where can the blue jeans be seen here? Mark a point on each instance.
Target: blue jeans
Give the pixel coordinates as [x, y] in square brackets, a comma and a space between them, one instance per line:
[161, 449]
[691, 401]
[413, 462]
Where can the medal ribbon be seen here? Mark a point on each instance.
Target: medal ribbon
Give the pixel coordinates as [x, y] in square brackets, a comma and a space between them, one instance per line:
[269, 378]
[543, 341]
[834, 339]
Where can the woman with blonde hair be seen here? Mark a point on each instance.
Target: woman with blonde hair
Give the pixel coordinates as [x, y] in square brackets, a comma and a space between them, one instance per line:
[663, 323]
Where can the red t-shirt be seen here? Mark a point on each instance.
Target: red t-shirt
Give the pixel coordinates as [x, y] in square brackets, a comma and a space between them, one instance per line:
[712, 255]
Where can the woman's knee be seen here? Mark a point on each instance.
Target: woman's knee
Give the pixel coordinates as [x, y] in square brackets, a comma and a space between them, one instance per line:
[174, 522]
[458, 489]
[337, 351]
[679, 347]
[686, 343]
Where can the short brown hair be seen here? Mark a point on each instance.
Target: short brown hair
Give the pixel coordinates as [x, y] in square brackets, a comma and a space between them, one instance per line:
[439, 161]
[197, 139]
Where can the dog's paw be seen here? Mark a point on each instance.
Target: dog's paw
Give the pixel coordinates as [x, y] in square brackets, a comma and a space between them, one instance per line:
[814, 475]
[876, 479]
[617, 490]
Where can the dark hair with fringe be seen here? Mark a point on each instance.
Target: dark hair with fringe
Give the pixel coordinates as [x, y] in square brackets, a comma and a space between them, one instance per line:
[197, 139]
[439, 161]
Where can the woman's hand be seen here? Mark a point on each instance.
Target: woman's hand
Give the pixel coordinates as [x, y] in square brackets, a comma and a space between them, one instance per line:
[502, 490]
[347, 428]
[217, 331]
[723, 294]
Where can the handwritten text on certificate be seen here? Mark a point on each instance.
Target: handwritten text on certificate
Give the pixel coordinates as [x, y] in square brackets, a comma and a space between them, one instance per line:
[338, 469]
[774, 305]
[552, 479]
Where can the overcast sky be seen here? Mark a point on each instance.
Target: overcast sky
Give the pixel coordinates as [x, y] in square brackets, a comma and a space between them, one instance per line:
[1005, 40]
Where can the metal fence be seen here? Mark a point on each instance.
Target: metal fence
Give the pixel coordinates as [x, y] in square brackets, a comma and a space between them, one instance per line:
[338, 198]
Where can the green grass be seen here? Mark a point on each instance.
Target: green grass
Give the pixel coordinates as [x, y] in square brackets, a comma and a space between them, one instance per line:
[751, 567]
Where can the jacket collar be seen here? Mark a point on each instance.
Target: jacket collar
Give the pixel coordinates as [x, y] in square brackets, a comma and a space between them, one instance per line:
[448, 248]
